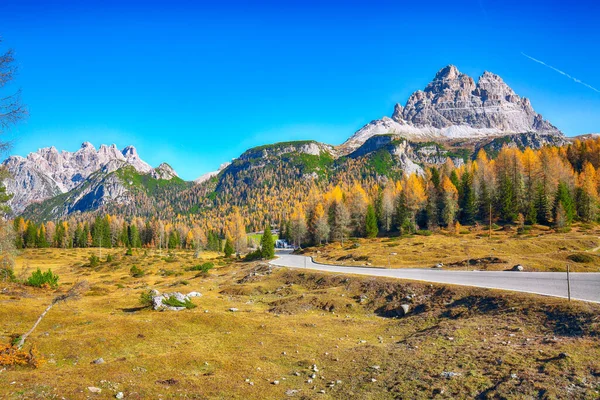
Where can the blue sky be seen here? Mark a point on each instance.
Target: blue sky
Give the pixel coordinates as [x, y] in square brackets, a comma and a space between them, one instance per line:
[197, 83]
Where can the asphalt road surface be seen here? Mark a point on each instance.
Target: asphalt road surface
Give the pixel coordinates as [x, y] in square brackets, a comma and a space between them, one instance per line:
[584, 285]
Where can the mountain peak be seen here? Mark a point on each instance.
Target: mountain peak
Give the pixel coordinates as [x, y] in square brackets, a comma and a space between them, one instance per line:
[454, 106]
[448, 72]
[129, 151]
[164, 171]
[87, 145]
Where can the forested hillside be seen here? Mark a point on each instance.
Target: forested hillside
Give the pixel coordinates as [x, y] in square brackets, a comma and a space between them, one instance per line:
[314, 198]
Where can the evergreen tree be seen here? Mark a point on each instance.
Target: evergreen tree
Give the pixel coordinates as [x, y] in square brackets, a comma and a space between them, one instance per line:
[403, 222]
[267, 244]
[31, 236]
[485, 201]
[17, 224]
[41, 241]
[124, 236]
[101, 232]
[173, 239]
[563, 203]
[86, 236]
[467, 200]
[506, 199]
[371, 222]
[78, 238]
[542, 205]
[228, 249]
[135, 240]
[532, 213]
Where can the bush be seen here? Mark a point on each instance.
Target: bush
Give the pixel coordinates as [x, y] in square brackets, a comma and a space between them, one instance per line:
[424, 232]
[207, 266]
[581, 258]
[109, 258]
[136, 272]
[170, 258]
[7, 274]
[43, 279]
[253, 256]
[94, 261]
[12, 356]
[173, 302]
[129, 252]
[146, 298]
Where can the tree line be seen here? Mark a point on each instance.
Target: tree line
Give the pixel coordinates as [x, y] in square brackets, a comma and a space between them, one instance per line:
[552, 186]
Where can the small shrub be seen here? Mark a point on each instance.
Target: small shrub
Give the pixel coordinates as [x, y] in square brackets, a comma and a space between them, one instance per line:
[7, 274]
[136, 272]
[43, 279]
[581, 258]
[207, 266]
[170, 258]
[94, 261]
[173, 302]
[10, 355]
[424, 232]
[253, 256]
[129, 252]
[109, 258]
[146, 298]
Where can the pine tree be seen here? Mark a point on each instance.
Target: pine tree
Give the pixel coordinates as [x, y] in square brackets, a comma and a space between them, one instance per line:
[124, 235]
[542, 205]
[78, 238]
[532, 213]
[135, 240]
[267, 244]
[228, 249]
[506, 196]
[173, 239]
[30, 238]
[403, 223]
[468, 201]
[371, 222]
[41, 241]
[563, 203]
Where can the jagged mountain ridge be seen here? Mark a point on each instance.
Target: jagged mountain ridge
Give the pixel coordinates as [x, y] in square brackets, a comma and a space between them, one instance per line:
[47, 172]
[454, 106]
[452, 118]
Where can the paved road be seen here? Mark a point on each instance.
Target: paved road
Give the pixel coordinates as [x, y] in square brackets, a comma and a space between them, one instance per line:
[584, 285]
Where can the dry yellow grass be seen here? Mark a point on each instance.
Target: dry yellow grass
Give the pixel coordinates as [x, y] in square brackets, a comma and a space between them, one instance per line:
[288, 321]
[539, 250]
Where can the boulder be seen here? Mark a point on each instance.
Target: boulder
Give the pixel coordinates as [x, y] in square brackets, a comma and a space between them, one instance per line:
[157, 300]
[518, 267]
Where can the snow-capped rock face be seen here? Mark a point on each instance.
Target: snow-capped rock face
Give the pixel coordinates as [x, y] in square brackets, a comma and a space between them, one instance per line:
[47, 172]
[454, 106]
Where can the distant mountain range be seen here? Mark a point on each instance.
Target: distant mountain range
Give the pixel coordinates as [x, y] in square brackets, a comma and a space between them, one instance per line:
[454, 117]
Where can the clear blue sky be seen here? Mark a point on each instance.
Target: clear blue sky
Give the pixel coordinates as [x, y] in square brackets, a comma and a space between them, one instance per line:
[196, 83]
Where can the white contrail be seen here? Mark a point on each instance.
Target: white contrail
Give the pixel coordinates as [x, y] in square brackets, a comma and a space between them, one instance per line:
[562, 73]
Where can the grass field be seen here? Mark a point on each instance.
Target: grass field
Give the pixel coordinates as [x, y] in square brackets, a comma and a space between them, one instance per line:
[538, 250]
[455, 342]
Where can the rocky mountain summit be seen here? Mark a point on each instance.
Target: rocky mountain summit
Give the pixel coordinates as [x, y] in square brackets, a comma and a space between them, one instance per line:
[47, 172]
[454, 106]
